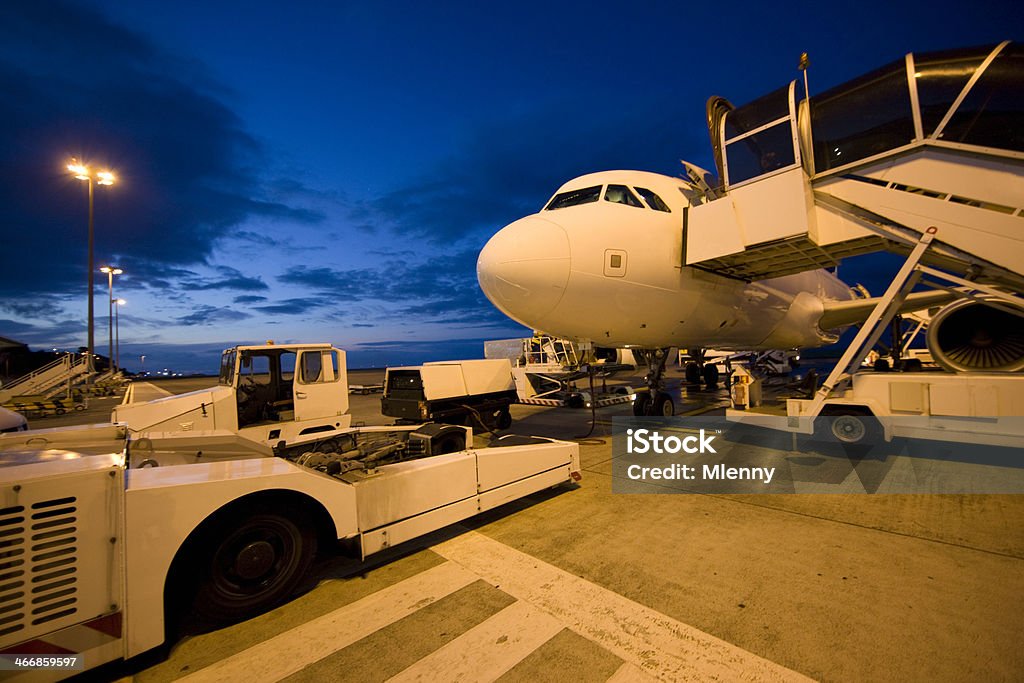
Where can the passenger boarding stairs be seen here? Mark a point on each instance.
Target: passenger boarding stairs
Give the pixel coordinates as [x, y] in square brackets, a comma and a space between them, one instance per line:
[929, 144]
[47, 380]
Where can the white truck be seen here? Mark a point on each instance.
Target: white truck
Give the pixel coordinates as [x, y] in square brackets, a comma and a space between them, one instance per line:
[104, 529]
[476, 392]
[267, 393]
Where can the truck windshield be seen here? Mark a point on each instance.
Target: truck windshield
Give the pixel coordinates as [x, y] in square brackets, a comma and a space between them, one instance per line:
[227, 368]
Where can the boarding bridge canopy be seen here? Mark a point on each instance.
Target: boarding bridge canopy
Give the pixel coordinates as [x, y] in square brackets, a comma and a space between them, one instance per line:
[968, 97]
[870, 165]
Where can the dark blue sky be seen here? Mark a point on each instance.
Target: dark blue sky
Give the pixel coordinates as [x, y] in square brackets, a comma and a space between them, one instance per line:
[328, 171]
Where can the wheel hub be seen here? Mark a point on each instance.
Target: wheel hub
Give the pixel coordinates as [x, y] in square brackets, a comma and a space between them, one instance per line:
[255, 560]
[848, 429]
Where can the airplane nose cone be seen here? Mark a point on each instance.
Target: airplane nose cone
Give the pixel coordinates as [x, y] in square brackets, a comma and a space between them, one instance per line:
[524, 269]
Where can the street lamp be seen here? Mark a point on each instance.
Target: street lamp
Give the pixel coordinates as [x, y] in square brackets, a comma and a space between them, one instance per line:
[111, 272]
[82, 172]
[117, 334]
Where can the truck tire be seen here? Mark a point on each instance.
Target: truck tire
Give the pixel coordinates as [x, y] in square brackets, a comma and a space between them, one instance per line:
[249, 560]
[853, 425]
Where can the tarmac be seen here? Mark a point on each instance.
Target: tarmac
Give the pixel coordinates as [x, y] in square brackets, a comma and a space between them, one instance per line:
[580, 583]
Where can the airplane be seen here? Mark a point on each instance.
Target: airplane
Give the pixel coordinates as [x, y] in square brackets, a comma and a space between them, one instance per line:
[650, 262]
[601, 263]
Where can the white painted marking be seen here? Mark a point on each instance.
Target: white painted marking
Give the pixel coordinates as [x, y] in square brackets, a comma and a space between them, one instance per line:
[291, 651]
[146, 391]
[487, 650]
[657, 644]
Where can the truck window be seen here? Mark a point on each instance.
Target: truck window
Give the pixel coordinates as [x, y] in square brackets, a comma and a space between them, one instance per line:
[227, 368]
[256, 369]
[405, 384]
[318, 367]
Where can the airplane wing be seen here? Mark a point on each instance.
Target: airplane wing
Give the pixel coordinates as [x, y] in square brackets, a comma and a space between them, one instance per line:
[845, 313]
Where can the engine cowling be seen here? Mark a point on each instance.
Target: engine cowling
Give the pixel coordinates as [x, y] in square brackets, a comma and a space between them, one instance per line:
[972, 336]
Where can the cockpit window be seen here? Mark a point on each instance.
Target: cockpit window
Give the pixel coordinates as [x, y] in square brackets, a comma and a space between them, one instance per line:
[653, 200]
[620, 194]
[574, 197]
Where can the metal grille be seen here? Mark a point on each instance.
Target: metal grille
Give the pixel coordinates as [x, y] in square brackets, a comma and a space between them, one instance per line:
[38, 563]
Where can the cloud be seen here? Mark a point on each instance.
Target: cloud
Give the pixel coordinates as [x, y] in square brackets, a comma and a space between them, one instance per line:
[230, 278]
[249, 299]
[299, 306]
[507, 169]
[76, 84]
[441, 289]
[61, 333]
[210, 315]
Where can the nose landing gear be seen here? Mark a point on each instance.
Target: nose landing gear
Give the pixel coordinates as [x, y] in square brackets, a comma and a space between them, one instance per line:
[655, 401]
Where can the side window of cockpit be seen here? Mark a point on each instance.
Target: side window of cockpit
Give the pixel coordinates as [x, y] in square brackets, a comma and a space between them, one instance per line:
[653, 200]
[620, 194]
[574, 198]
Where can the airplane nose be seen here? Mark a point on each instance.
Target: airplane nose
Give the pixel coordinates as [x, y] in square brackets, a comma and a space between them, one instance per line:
[524, 269]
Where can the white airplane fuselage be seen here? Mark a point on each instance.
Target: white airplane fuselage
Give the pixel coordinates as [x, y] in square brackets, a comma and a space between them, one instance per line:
[612, 273]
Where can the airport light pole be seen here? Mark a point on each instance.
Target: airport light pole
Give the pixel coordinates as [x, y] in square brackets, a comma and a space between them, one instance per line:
[117, 332]
[111, 272]
[83, 172]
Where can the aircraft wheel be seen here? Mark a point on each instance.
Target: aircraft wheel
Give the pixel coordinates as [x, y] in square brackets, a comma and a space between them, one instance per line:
[641, 404]
[664, 406]
[249, 560]
[711, 376]
[503, 420]
[692, 373]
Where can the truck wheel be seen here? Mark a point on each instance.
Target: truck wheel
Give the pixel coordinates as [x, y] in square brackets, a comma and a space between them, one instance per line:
[850, 426]
[503, 420]
[248, 561]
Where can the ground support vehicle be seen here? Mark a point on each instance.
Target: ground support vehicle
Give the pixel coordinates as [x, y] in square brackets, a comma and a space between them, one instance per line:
[40, 406]
[267, 393]
[476, 392]
[547, 371]
[102, 531]
[983, 407]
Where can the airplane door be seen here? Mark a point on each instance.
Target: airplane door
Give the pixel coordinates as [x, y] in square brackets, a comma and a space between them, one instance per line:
[317, 386]
[614, 262]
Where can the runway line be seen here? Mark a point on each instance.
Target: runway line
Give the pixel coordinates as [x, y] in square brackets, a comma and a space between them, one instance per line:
[657, 644]
[488, 650]
[293, 650]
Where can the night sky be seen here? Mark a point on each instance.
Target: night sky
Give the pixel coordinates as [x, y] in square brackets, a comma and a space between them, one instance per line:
[328, 171]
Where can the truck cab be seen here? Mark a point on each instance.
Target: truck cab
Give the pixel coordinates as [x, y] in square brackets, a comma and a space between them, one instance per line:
[267, 393]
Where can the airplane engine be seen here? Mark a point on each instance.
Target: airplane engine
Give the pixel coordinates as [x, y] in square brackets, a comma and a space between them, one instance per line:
[971, 336]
